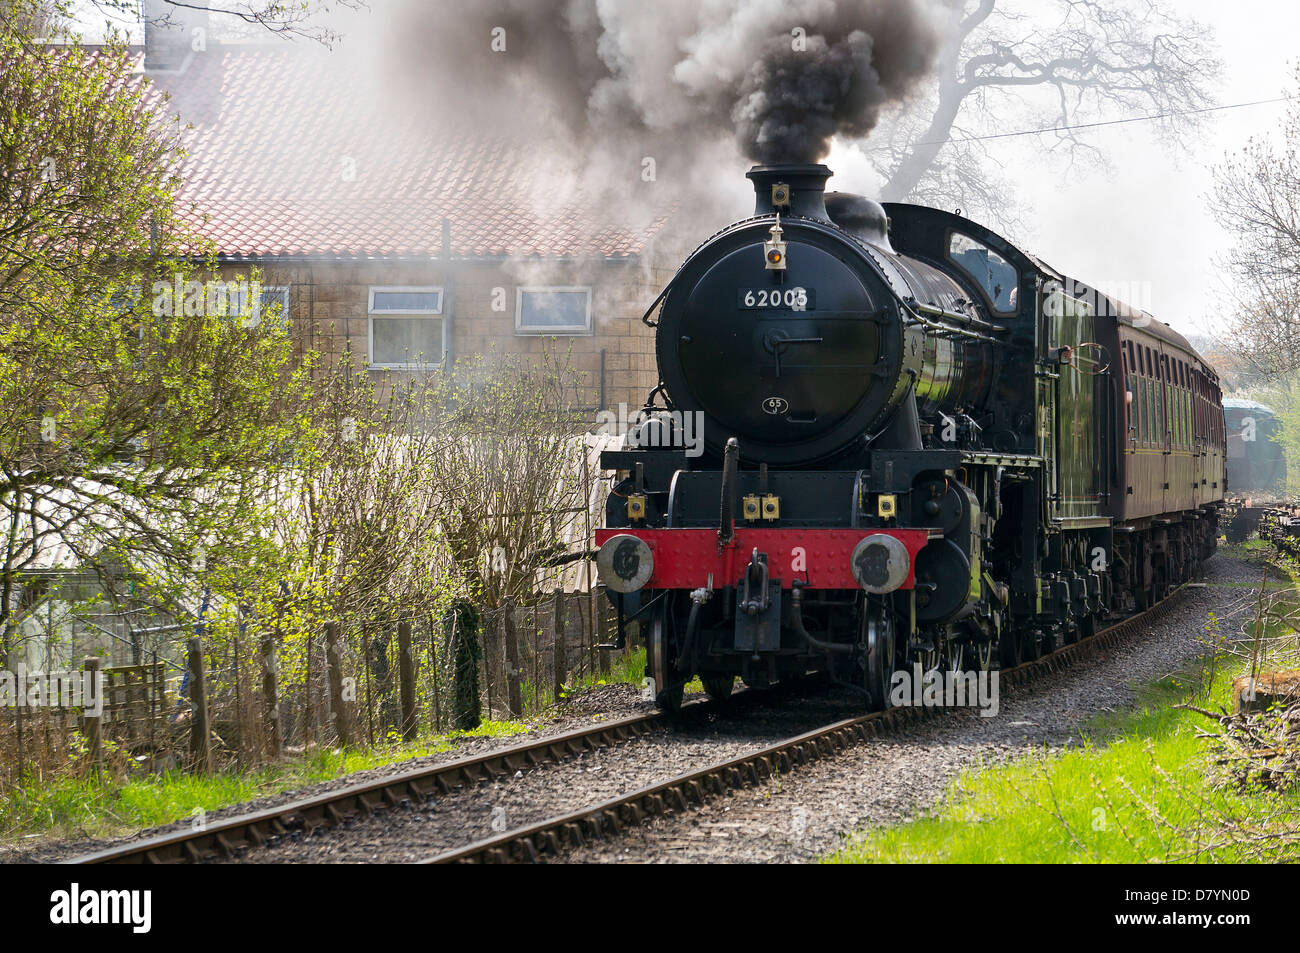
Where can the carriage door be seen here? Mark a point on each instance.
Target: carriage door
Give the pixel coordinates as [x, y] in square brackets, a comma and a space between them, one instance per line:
[1165, 431]
[1072, 480]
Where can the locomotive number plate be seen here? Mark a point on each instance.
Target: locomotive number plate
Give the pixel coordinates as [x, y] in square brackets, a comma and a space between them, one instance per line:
[784, 299]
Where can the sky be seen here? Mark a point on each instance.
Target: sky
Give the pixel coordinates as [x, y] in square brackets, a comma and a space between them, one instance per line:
[1146, 221]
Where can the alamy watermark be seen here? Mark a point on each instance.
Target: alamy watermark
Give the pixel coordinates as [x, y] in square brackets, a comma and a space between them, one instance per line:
[23, 689]
[659, 428]
[237, 299]
[945, 689]
[1131, 299]
[133, 908]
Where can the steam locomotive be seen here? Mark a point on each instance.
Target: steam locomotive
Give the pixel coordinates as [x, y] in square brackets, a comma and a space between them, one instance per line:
[920, 446]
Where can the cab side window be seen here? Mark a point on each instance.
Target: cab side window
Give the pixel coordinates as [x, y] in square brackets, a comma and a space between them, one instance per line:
[991, 271]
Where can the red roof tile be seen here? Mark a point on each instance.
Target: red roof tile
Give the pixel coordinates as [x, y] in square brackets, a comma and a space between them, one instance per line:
[287, 157]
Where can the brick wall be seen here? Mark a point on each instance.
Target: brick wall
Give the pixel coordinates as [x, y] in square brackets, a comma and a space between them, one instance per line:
[329, 301]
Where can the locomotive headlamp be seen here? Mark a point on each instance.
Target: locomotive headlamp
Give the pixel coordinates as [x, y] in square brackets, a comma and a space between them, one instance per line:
[880, 563]
[625, 563]
[774, 248]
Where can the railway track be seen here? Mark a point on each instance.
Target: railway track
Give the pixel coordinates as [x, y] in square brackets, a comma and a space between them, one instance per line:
[232, 837]
[552, 837]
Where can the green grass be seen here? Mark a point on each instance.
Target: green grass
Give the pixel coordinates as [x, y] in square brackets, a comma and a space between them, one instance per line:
[1137, 790]
[83, 807]
[1253, 549]
[626, 667]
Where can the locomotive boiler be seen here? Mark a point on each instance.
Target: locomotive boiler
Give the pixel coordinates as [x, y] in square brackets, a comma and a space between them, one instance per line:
[922, 447]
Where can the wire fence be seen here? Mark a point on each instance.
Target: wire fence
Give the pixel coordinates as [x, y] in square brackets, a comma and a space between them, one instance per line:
[267, 696]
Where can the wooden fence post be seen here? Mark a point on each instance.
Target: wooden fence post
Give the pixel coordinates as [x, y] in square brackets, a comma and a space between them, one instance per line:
[560, 647]
[92, 725]
[406, 676]
[514, 697]
[271, 688]
[334, 662]
[200, 741]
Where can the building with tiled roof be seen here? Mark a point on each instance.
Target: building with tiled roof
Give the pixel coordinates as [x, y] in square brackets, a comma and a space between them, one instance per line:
[383, 234]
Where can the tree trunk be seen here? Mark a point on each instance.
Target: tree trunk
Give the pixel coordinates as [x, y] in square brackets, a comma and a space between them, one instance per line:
[907, 175]
[463, 622]
[406, 675]
[334, 662]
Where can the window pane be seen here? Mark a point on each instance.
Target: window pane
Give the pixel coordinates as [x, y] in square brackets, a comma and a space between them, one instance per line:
[1150, 409]
[1143, 405]
[989, 269]
[553, 309]
[407, 301]
[406, 340]
[273, 304]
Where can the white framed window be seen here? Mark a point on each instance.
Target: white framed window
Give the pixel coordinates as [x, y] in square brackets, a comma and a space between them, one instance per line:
[553, 310]
[407, 331]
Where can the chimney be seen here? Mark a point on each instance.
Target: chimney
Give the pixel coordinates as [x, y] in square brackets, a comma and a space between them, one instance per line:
[171, 34]
[790, 189]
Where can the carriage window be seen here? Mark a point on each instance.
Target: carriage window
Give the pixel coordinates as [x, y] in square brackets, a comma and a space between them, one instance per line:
[990, 270]
[1159, 436]
[1146, 410]
[1142, 409]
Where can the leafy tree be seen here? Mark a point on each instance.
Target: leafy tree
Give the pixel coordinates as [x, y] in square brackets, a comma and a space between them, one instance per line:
[134, 420]
[1257, 198]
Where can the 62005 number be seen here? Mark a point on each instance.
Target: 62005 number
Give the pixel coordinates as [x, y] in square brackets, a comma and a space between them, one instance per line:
[795, 299]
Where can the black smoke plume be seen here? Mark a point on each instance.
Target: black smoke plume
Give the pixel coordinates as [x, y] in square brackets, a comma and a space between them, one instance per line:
[780, 76]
